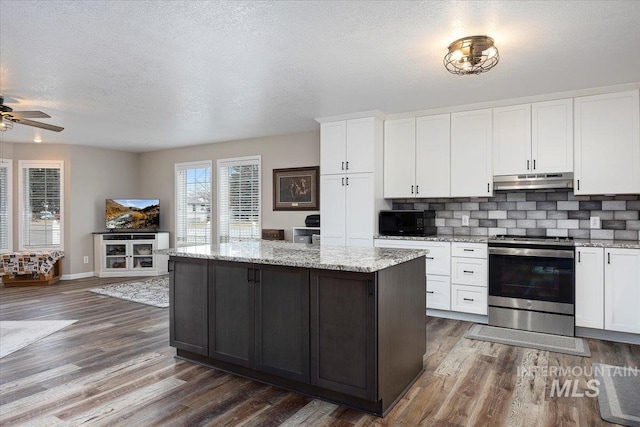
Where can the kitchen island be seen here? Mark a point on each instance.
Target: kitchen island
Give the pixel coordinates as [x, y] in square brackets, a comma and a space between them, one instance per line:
[343, 324]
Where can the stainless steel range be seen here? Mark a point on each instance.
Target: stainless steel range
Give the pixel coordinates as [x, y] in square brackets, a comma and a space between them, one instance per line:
[531, 284]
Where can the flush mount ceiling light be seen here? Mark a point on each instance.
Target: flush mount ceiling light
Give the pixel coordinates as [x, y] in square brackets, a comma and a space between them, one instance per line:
[471, 55]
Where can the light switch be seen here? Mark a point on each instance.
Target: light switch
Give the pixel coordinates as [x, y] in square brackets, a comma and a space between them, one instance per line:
[594, 222]
[465, 220]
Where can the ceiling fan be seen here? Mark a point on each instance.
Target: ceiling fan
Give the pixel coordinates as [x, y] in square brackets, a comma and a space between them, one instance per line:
[9, 117]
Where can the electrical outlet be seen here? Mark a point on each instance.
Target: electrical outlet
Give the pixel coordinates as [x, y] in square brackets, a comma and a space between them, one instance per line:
[594, 222]
[465, 220]
[86, 260]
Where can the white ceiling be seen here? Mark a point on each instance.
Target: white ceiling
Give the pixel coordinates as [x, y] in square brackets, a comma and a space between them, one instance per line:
[148, 75]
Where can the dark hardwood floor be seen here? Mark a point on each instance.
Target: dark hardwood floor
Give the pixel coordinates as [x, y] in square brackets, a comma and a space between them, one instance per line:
[114, 366]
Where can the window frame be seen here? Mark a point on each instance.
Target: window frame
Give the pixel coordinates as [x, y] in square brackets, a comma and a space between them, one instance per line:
[8, 164]
[33, 164]
[186, 166]
[238, 161]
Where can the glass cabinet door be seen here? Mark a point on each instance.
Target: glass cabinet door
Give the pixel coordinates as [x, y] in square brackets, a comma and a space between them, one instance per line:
[142, 254]
[116, 256]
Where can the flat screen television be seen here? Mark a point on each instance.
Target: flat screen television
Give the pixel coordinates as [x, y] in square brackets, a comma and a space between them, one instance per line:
[132, 214]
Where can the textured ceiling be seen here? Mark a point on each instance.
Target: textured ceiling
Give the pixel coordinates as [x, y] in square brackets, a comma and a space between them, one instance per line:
[147, 75]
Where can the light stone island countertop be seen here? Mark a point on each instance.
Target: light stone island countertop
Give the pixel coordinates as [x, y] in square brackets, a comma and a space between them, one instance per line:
[344, 258]
[438, 238]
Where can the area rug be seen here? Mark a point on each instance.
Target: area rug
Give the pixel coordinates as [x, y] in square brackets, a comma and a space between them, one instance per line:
[618, 393]
[555, 343]
[153, 292]
[17, 334]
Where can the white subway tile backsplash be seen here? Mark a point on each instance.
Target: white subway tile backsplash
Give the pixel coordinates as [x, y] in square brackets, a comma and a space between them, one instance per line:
[614, 205]
[557, 232]
[497, 214]
[493, 231]
[440, 222]
[602, 234]
[516, 197]
[526, 206]
[568, 206]
[568, 223]
[536, 214]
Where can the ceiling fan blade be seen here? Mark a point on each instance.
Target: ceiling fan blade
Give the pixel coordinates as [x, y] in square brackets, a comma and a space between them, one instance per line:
[30, 114]
[36, 124]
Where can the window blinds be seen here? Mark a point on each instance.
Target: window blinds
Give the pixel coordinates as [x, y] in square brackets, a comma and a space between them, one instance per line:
[41, 206]
[193, 203]
[238, 198]
[5, 205]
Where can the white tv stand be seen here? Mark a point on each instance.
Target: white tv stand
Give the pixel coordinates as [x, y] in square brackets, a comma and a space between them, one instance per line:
[124, 254]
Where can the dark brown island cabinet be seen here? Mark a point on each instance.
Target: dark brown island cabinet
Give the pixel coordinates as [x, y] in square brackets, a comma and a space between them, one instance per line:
[353, 338]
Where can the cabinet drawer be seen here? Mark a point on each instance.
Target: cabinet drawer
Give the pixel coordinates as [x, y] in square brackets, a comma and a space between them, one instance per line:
[438, 258]
[439, 292]
[469, 271]
[469, 299]
[469, 250]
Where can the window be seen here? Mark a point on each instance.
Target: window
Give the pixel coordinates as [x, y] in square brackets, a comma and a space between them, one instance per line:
[6, 174]
[41, 220]
[193, 189]
[238, 198]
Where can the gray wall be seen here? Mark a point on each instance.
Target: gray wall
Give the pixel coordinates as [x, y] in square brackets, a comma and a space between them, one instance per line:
[534, 213]
[90, 176]
[156, 171]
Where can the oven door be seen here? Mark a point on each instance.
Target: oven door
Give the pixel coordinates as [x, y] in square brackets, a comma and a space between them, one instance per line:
[532, 274]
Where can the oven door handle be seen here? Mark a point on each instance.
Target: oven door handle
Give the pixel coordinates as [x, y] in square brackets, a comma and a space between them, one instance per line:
[548, 253]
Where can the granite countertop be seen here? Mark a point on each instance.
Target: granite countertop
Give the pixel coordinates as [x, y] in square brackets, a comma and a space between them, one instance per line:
[344, 258]
[624, 244]
[439, 238]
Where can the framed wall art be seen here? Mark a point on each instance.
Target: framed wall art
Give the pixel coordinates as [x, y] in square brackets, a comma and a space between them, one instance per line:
[296, 189]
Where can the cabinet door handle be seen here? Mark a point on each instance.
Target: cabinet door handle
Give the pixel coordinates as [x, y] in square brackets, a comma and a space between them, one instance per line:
[488, 184]
[534, 164]
[527, 164]
[608, 257]
[249, 275]
[430, 292]
[256, 275]
[467, 299]
[429, 257]
[468, 250]
[578, 184]
[343, 181]
[347, 180]
[169, 265]
[417, 189]
[342, 165]
[579, 256]
[468, 271]
[347, 165]
[412, 189]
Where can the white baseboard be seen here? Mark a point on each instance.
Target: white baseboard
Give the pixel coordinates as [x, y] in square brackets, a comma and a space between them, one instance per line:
[77, 276]
[467, 317]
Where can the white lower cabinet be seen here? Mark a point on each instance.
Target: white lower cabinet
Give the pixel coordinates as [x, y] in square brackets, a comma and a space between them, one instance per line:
[437, 266]
[469, 299]
[130, 254]
[608, 289]
[469, 277]
[590, 287]
[622, 290]
[439, 292]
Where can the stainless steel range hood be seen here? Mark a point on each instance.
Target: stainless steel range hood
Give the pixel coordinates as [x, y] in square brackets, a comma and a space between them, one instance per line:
[533, 181]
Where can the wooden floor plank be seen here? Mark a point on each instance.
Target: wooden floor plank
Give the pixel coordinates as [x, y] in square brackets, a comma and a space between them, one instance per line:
[114, 367]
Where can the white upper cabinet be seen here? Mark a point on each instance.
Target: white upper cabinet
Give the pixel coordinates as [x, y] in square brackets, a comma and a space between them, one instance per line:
[471, 155]
[333, 221]
[347, 146]
[417, 157]
[607, 144]
[533, 138]
[552, 136]
[512, 140]
[433, 156]
[399, 158]
[622, 290]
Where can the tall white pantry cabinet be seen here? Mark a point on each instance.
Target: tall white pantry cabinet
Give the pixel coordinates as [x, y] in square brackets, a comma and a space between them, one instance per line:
[351, 179]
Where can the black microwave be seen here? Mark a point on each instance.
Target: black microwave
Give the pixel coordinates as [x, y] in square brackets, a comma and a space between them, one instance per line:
[407, 223]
